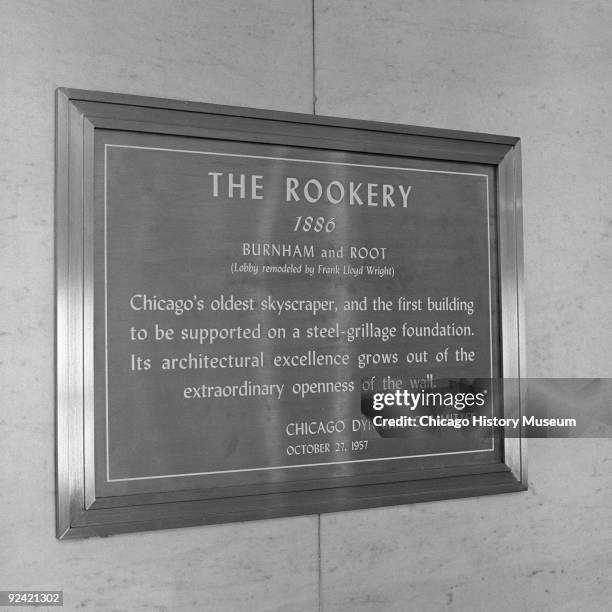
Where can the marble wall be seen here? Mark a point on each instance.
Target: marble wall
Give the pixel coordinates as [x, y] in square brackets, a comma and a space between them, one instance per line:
[540, 70]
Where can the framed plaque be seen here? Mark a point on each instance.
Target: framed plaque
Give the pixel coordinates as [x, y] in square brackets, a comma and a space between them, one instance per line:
[251, 304]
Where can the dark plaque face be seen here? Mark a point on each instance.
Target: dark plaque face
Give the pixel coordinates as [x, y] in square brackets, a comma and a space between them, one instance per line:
[263, 314]
[251, 296]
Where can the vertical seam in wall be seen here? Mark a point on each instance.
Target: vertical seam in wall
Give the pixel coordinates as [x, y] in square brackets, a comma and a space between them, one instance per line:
[319, 575]
[314, 112]
[314, 80]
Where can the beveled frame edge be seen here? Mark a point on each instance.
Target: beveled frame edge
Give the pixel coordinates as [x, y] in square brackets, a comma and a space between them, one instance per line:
[303, 503]
[85, 95]
[68, 285]
[62, 460]
[73, 127]
[509, 193]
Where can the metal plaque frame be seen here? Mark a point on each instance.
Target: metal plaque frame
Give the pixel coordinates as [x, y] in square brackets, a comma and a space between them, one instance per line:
[79, 114]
